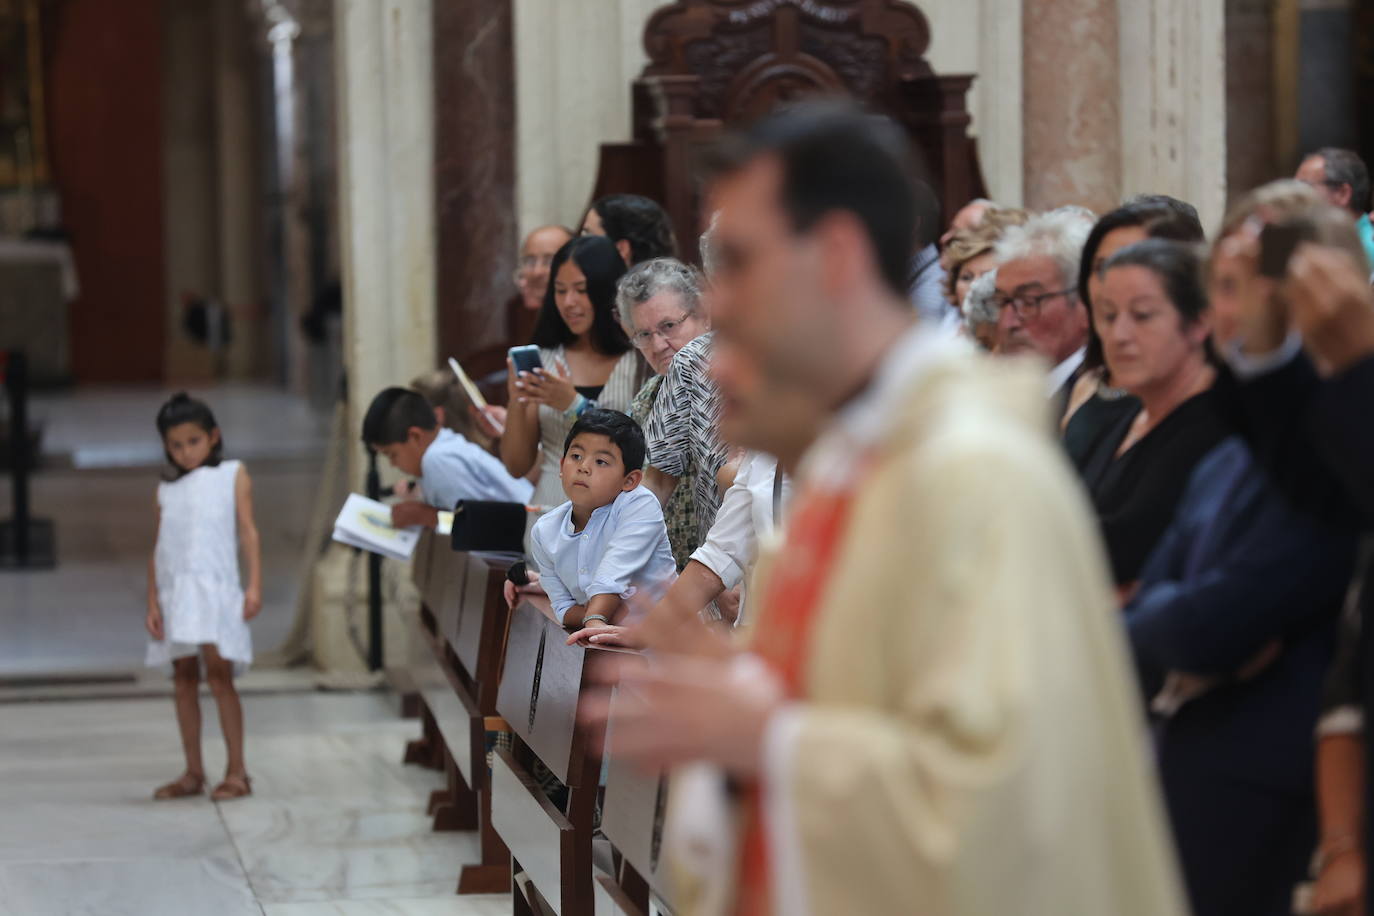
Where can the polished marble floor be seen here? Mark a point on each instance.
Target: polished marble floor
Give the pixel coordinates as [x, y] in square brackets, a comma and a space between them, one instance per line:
[336, 824]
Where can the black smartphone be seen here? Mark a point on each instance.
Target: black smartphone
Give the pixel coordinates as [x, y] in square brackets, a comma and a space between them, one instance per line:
[1277, 243]
[525, 359]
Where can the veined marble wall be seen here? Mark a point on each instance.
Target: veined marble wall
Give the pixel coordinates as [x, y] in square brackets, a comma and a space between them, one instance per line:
[575, 62]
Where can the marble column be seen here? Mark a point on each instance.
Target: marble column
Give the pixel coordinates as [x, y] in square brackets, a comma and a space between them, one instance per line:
[384, 67]
[474, 172]
[1173, 101]
[1072, 119]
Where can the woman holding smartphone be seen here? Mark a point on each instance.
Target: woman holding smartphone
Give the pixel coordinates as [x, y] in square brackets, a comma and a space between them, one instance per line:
[585, 361]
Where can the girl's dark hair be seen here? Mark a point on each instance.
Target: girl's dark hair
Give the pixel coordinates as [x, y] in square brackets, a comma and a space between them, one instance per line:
[1178, 265]
[1162, 217]
[182, 408]
[641, 222]
[602, 265]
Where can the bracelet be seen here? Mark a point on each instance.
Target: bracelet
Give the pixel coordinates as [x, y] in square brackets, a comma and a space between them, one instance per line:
[600, 617]
[577, 407]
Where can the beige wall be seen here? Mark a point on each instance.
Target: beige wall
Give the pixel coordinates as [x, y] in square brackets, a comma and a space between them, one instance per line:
[211, 185]
[573, 76]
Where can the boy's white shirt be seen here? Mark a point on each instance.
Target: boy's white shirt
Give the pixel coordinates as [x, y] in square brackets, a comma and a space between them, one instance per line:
[622, 550]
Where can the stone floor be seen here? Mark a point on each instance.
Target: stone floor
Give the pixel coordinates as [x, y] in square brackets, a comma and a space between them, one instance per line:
[336, 824]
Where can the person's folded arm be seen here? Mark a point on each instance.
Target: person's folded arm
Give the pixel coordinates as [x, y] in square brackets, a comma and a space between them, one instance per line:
[1273, 579]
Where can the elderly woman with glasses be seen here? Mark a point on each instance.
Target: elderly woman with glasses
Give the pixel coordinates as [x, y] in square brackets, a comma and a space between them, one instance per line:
[659, 303]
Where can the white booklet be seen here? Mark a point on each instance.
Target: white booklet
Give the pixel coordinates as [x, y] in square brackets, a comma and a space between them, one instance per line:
[366, 523]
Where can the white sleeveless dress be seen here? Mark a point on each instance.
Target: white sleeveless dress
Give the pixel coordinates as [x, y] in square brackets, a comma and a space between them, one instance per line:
[197, 568]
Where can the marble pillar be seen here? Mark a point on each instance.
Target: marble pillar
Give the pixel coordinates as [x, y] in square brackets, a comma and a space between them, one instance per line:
[385, 86]
[1173, 101]
[574, 66]
[474, 172]
[1072, 115]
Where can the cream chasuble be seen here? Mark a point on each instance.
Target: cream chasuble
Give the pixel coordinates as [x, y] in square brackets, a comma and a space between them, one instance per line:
[966, 737]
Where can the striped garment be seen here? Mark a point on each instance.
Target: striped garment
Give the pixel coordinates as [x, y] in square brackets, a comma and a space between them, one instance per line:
[683, 427]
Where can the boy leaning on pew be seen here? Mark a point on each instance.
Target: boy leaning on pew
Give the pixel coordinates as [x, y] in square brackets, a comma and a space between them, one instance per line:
[608, 542]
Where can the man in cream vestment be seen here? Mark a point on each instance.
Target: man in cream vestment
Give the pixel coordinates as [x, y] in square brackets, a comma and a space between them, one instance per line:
[934, 715]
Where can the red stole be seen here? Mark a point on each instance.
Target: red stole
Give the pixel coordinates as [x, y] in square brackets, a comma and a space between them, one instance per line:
[782, 639]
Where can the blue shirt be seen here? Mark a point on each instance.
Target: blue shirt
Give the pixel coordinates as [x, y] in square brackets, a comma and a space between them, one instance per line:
[926, 286]
[454, 468]
[1366, 230]
[623, 549]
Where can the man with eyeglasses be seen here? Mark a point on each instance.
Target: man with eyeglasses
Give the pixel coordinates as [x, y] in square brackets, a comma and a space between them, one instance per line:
[532, 280]
[1037, 300]
[1341, 176]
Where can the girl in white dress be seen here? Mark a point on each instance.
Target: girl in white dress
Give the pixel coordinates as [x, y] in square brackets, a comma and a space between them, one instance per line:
[197, 608]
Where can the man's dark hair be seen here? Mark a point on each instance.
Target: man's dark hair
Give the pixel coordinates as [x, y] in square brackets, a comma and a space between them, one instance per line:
[182, 408]
[1343, 166]
[1162, 217]
[639, 221]
[391, 415]
[835, 156]
[603, 267]
[620, 428]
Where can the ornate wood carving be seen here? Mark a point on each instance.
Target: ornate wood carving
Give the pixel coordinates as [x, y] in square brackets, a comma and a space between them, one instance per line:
[718, 62]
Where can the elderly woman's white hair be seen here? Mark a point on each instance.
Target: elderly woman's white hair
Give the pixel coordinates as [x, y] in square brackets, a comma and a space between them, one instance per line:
[1058, 234]
[647, 279]
[978, 308]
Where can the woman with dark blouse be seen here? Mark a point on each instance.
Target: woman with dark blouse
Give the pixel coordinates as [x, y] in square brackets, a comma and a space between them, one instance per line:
[1150, 314]
[1095, 402]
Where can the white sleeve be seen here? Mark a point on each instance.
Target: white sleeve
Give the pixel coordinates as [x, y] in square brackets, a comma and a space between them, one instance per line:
[1247, 367]
[629, 547]
[732, 543]
[553, 586]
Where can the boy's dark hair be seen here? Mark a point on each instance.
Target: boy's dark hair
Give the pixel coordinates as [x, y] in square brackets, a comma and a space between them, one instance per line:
[182, 408]
[641, 222]
[620, 428]
[836, 156]
[602, 265]
[391, 415]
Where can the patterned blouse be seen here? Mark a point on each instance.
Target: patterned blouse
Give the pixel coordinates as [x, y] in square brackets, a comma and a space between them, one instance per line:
[617, 393]
[682, 428]
[680, 512]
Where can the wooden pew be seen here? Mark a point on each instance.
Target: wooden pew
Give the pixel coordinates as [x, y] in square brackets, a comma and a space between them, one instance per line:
[632, 817]
[541, 688]
[462, 625]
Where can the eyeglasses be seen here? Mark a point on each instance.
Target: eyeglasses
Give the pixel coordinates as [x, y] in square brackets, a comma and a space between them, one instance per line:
[1028, 306]
[664, 329]
[530, 262]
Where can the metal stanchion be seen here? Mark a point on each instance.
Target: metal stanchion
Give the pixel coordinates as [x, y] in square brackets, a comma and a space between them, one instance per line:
[374, 577]
[25, 542]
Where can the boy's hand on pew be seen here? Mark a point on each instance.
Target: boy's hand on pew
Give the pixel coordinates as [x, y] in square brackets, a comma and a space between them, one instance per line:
[512, 592]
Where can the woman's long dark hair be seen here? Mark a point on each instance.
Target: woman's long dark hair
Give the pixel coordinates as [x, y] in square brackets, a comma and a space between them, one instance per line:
[1162, 217]
[182, 408]
[602, 265]
[640, 221]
